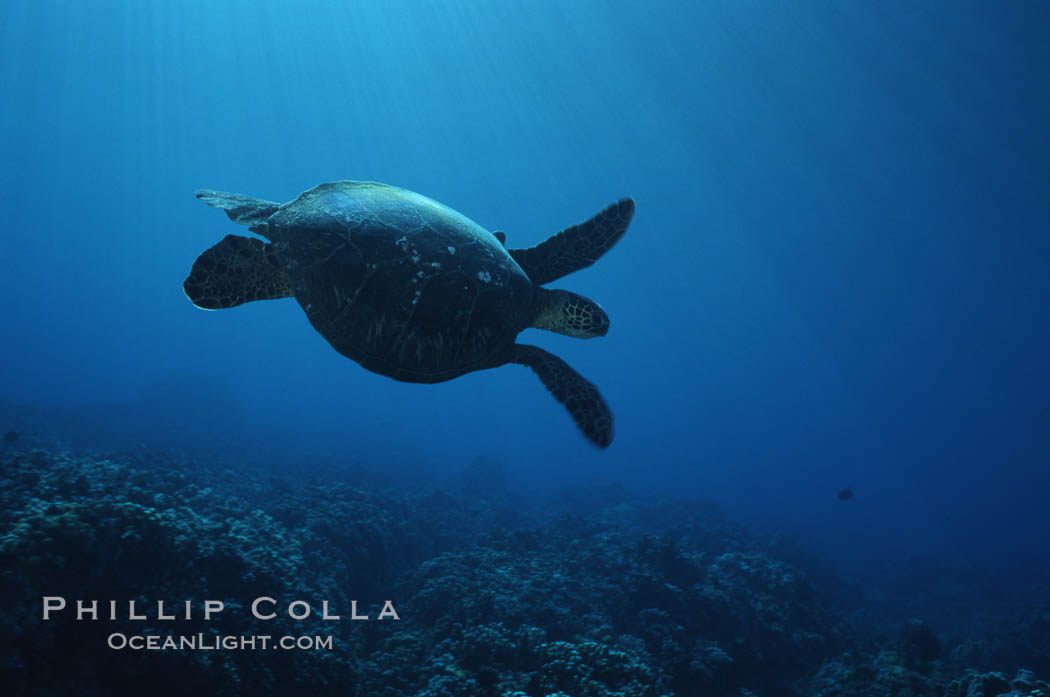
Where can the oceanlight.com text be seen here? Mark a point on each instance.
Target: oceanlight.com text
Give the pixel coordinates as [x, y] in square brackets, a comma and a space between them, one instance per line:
[216, 642]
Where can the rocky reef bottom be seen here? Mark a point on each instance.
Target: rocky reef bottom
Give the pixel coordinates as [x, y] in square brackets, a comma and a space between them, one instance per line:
[594, 594]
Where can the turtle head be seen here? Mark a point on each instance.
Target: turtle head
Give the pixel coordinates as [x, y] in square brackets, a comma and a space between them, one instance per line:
[568, 313]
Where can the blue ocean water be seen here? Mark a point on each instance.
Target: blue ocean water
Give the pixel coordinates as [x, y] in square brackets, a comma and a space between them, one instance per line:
[837, 275]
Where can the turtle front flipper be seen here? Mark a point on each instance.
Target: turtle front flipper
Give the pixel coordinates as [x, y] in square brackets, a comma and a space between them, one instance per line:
[580, 397]
[576, 247]
[242, 209]
[235, 271]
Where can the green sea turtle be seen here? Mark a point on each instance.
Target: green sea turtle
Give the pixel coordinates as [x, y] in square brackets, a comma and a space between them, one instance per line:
[411, 289]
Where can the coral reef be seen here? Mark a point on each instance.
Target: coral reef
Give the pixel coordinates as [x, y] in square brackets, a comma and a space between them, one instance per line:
[975, 684]
[601, 594]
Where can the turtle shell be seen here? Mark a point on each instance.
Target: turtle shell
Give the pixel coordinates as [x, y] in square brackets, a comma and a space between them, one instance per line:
[402, 284]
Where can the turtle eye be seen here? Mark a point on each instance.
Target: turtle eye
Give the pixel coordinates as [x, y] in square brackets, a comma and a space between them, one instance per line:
[599, 320]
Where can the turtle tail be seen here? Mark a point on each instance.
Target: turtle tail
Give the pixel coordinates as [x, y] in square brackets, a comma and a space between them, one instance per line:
[235, 271]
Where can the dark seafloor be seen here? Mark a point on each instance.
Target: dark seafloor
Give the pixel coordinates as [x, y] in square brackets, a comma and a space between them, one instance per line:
[593, 592]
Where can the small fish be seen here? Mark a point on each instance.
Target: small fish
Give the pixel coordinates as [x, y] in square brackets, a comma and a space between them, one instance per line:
[845, 494]
[11, 436]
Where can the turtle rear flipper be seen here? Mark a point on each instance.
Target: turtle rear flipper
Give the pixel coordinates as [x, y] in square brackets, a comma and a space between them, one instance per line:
[576, 247]
[242, 209]
[235, 271]
[580, 397]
